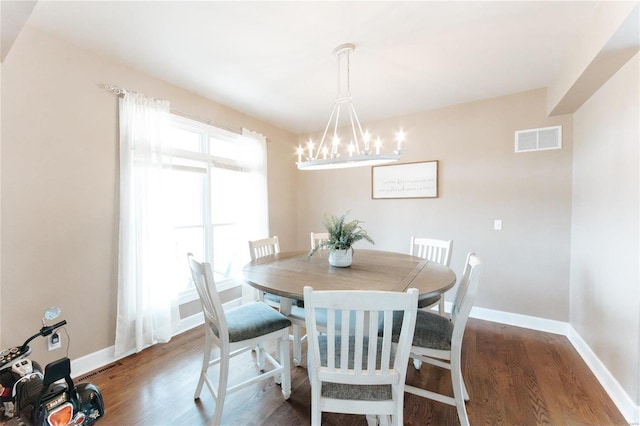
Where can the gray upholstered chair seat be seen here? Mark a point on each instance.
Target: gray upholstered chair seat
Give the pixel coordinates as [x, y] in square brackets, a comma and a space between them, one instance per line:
[276, 299]
[432, 330]
[429, 301]
[297, 313]
[349, 391]
[356, 392]
[253, 320]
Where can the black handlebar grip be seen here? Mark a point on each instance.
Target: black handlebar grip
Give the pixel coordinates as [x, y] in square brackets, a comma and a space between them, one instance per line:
[60, 324]
[45, 331]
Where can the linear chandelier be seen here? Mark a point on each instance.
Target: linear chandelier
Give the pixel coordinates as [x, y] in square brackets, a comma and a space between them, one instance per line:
[358, 151]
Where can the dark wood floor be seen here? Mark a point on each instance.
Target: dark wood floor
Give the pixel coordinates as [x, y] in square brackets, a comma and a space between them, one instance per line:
[514, 376]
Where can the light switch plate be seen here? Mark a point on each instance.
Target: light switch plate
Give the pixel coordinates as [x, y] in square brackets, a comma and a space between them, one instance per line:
[497, 224]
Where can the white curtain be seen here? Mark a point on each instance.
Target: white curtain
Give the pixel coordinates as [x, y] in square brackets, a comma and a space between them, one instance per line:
[146, 302]
[258, 223]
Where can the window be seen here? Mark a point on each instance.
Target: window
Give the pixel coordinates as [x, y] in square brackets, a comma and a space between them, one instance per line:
[218, 184]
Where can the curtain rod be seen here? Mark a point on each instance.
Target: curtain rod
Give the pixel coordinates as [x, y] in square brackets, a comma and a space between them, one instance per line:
[120, 91]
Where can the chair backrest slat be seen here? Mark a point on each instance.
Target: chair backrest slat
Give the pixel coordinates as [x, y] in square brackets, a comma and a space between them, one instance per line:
[264, 247]
[344, 342]
[359, 335]
[386, 341]
[429, 248]
[331, 341]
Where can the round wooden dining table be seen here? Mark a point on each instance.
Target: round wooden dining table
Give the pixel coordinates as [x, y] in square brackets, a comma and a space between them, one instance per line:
[286, 274]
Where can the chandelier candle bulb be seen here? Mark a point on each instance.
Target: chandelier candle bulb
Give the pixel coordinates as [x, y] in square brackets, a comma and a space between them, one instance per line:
[400, 139]
[310, 146]
[366, 139]
[299, 153]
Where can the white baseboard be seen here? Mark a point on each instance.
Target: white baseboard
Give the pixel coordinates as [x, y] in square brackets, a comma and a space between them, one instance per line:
[518, 320]
[623, 401]
[83, 365]
[620, 397]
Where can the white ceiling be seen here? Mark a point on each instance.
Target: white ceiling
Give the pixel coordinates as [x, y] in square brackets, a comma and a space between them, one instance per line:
[273, 60]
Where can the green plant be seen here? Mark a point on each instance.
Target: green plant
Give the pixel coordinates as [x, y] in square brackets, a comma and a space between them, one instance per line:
[342, 234]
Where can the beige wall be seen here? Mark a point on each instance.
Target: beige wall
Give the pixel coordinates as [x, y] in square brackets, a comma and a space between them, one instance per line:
[1, 346]
[582, 71]
[480, 179]
[605, 263]
[59, 175]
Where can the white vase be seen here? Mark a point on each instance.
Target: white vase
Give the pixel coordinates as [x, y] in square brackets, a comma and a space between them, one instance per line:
[341, 258]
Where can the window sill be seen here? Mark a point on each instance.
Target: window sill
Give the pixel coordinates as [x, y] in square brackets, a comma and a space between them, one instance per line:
[191, 295]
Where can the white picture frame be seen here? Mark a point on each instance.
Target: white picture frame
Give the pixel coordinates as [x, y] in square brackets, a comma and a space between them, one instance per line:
[407, 180]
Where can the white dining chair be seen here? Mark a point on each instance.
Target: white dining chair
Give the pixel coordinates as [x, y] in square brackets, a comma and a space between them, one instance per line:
[437, 251]
[352, 369]
[317, 238]
[264, 247]
[297, 315]
[235, 332]
[260, 248]
[438, 340]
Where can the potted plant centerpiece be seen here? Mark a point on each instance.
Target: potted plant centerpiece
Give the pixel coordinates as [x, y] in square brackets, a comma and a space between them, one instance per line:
[342, 235]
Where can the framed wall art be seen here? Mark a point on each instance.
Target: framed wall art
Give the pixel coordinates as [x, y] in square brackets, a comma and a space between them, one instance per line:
[408, 180]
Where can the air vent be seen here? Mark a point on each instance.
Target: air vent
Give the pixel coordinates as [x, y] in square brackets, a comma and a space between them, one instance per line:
[539, 139]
